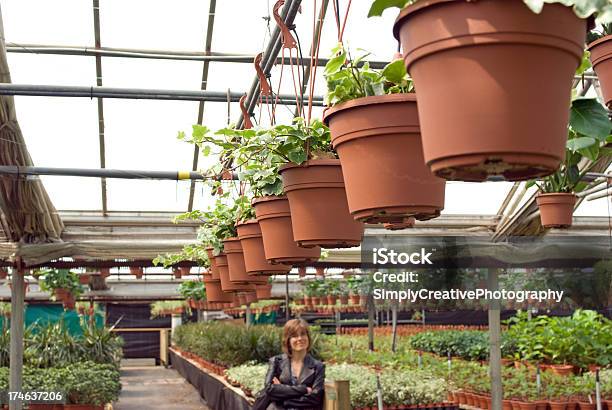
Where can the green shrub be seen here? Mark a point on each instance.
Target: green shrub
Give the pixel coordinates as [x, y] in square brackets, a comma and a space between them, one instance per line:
[232, 345]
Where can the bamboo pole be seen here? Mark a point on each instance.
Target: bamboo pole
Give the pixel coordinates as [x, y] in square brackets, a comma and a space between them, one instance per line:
[17, 325]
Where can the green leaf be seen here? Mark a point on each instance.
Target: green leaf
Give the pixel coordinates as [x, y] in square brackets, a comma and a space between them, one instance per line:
[579, 143]
[395, 71]
[335, 63]
[588, 117]
[297, 156]
[206, 150]
[378, 6]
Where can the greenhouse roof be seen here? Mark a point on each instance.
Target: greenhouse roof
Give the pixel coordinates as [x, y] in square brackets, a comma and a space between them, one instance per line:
[192, 45]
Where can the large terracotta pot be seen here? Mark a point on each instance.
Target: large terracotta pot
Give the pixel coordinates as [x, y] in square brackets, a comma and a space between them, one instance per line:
[255, 260]
[562, 369]
[556, 210]
[378, 141]
[601, 58]
[235, 259]
[274, 217]
[483, 111]
[213, 266]
[319, 209]
[214, 293]
[226, 284]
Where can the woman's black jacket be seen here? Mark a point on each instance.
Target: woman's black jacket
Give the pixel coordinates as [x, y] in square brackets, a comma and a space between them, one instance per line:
[296, 396]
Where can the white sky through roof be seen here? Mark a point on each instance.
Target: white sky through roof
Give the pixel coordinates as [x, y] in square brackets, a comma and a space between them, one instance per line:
[141, 134]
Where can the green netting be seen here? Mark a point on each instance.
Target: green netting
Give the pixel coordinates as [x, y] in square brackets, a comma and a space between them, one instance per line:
[263, 318]
[54, 312]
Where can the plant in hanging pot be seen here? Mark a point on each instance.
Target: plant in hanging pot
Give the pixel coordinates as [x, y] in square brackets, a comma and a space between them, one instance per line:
[502, 119]
[589, 133]
[259, 163]
[374, 127]
[63, 284]
[600, 48]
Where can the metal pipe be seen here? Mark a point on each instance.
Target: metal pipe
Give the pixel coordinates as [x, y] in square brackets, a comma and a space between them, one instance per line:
[130, 93]
[101, 173]
[495, 342]
[600, 195]
[211, 56]
[203, 86]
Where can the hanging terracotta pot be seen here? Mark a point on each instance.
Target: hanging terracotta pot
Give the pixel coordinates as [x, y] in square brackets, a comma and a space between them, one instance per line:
[213, 266]
[136, 271]
[601, 58]
[214, 293]
[251, 297]
[255, 260]
[407, 224]
[185, 270]
[556, 209]
[274, 217]
[264, 291]
[235, 259]
[302, 271]
[241, 299]
[84, 278]
[378, 141]
[319, 210]
[226, 284]
[483, 111]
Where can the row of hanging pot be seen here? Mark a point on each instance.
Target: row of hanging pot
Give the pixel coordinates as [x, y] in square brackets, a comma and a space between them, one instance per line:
[491, 103]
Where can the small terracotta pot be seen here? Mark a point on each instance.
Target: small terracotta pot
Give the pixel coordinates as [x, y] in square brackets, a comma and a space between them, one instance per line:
[601, 59]
[235, 259]
[541, 405]
[586, 405]
[354, 299]
[250, 297]
[226, 284]
[213, 266]
[274, 217]
[84, 278]
[378, 141]
[264, 291]
[506, 405]
[332, 299]
[499, 117]
[136, 271]
[556, 209]
[527, 405]
[562, 369]
[214, 293]
[344, 299]
[319, 208]
[255, 261]
[557, 405]
[315, 300]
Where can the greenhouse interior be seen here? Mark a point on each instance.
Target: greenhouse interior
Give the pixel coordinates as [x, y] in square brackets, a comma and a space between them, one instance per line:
[250, 205]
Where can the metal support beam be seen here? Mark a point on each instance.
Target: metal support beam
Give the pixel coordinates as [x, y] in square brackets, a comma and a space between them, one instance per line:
[101, 140]
[495, 343]
[101, 173]
[211, 56]
[132, 93]
[203, 86]
[16, 347]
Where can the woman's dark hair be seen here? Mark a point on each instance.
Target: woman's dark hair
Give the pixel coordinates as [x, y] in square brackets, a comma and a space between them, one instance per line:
[293, 328]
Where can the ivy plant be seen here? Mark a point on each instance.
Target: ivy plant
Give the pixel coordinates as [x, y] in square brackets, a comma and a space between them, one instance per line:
[257, 154]
[349, 79]
[583, 8]
[588, 135]
[193, 289]
[219, 222]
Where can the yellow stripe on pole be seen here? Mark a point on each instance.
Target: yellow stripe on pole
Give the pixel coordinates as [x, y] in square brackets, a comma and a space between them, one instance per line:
[184, 175]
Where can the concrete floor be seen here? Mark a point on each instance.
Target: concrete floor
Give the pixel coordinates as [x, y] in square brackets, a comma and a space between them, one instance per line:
[156, 388]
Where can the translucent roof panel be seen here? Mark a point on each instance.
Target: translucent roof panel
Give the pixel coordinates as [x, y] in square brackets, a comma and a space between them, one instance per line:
[66, 22]
[475, 198]
[179, 25]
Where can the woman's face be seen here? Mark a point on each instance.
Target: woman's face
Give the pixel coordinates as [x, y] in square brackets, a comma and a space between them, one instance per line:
[299, 342]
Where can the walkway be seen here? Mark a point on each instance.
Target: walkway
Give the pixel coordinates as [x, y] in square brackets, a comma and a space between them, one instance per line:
[156, 388]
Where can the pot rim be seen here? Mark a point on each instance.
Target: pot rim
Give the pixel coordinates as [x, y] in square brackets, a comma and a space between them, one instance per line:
[311, 163]
[368, 100]
[599, 41]
[553, 194]
[247, 222]
[268, 198]
[413, 8]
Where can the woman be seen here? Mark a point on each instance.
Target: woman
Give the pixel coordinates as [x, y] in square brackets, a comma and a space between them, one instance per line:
[295, 380]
